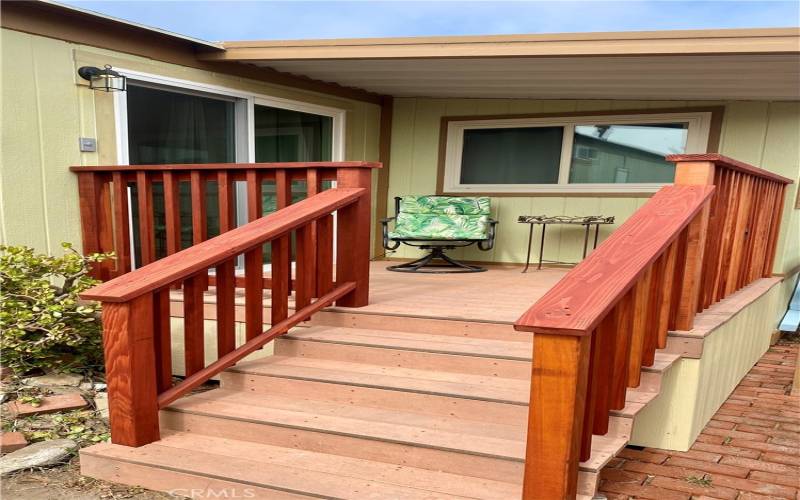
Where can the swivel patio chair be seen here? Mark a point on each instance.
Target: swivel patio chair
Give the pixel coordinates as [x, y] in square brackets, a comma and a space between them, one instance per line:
[439, 224]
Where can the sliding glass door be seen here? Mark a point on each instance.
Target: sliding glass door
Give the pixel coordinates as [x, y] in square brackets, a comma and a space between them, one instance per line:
[283, 135]
[169, 124]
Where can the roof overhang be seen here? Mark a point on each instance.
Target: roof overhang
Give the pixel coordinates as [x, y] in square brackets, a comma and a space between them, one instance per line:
[761, 64]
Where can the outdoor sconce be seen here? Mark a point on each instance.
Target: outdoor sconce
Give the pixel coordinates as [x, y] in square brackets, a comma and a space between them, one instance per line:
[105, 79]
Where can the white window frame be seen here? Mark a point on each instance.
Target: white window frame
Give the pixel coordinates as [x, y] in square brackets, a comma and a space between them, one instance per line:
[699, 126]
[244, 122]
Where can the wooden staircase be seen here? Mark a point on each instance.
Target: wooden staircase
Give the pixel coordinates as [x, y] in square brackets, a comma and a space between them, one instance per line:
[380, 411]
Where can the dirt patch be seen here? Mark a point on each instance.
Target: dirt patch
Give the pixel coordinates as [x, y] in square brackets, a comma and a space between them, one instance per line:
[66, 483]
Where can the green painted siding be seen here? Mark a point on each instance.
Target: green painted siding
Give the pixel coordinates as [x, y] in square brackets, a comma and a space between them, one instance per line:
[46, 107]
[762, 133]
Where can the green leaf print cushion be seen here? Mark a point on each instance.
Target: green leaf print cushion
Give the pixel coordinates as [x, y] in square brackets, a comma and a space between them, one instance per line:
[442, 217]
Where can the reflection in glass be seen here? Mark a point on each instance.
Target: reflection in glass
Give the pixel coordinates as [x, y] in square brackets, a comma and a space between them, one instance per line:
[621, 154]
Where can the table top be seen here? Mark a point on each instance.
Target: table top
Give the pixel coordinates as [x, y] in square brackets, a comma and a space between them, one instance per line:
[565, 219]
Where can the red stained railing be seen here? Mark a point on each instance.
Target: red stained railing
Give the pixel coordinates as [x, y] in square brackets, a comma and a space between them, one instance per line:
[136, 304]
[689, 246]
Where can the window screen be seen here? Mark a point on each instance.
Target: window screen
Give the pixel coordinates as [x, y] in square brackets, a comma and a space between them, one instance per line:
[528, 155]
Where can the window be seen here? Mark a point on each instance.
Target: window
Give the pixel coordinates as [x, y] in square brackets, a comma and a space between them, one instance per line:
[622, 153]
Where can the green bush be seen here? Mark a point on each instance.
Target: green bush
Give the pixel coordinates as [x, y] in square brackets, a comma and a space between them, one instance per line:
[43, 322]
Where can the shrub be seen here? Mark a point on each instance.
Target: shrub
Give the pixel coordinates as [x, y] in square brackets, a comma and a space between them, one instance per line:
[43, 322]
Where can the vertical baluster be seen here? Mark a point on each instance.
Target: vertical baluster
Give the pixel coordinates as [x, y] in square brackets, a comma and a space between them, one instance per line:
[691, 268]
[225, 197]
[312, 188]
[199, 211]
[593, 386]
[735, 263]
[122, 239]
[731, 208]
[641, 294]
[324, 255]
[747, 242]
[606, 334]
[280, 278]
[106, 226]
[762, 230]
[162, 339]
[96, 219]
[655, 298]
[775, 224]
[172, 212]
[283, 193]
[147, 242]
[677, 278]
[715, 220]
[254, 263]
[305, 264]
[754, 227]
[193, 332]
[618, 387]
[353, 227]
[226, 308]
[667, 295]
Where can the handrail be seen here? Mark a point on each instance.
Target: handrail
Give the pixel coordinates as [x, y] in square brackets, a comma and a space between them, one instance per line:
[730, 163]
[227, 166]
[577, 303]
[228, 245]
[689, 246]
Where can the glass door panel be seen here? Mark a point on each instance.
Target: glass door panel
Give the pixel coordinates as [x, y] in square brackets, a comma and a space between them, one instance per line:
[283, 135]
[173, 127]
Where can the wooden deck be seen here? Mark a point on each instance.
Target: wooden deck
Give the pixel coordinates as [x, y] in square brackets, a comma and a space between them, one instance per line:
[501, 294]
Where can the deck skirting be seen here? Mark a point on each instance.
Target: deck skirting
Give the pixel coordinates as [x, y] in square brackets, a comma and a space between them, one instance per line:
[735, 333]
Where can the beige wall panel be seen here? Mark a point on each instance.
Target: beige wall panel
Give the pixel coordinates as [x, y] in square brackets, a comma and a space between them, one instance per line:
[47, 107]
[745, 127]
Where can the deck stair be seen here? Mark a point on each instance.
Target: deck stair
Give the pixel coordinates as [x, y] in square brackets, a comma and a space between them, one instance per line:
[345, 412]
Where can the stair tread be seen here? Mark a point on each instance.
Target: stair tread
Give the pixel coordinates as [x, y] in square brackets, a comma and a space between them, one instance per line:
[495, 440]
[512, 391]
[302, 471]
[420, 430]
[506, 390]
[447, 344]
[364, 413]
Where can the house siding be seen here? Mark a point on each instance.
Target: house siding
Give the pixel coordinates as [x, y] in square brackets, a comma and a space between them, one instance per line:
[46, 107]
[766, 134]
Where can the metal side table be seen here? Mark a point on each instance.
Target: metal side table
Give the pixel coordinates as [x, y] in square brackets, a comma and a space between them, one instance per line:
[543, 220]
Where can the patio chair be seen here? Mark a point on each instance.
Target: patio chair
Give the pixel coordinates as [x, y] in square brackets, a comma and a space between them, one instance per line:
[438, 224]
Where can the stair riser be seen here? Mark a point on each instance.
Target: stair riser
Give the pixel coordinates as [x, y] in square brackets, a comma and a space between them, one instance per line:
[351, 446]
[468, 409]
[180, 484]
[497, 331]
[473, 365]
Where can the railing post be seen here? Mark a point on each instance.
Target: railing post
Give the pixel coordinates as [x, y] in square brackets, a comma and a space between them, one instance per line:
[95, 220]
[130, 371]
[352, 237]
[556, 416]
[691, 269]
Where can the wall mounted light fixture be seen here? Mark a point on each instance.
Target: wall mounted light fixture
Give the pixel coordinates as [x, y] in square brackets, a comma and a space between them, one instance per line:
[105, 79]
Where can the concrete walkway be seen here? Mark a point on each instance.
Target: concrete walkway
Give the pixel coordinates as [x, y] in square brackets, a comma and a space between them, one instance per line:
[749, 450]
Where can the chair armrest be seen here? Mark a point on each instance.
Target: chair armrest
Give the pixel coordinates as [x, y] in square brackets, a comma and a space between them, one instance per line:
[488, 243]
[386, 241]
